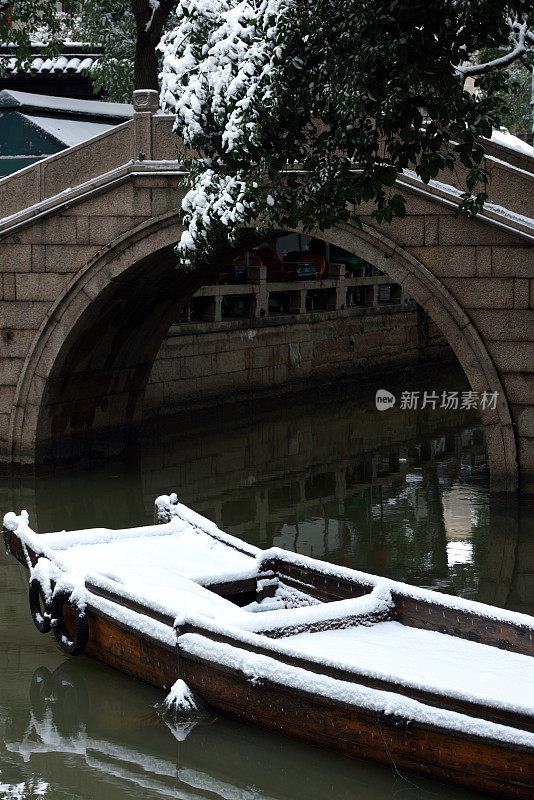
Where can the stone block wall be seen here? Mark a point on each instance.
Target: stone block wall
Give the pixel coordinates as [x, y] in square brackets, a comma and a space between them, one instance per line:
[203, 364]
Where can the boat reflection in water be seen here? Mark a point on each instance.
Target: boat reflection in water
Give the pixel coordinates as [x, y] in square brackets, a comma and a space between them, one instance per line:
[90, 732]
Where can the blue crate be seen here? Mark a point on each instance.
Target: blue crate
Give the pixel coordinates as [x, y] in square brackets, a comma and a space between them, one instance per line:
[304, 270]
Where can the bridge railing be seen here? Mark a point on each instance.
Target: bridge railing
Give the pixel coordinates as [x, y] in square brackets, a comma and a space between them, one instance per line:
[149, 138]
[257, 298]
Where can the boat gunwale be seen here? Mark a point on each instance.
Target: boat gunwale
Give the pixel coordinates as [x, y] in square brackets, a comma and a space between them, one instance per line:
[325, 699]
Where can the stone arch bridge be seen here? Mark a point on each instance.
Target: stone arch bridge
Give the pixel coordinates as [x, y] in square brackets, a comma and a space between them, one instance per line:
[88, 288]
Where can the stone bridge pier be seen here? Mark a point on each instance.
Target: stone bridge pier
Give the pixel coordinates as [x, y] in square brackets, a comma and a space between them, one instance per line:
[88, 289]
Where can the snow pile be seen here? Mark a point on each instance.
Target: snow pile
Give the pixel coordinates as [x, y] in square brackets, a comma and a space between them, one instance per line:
[507, 139]
[186, 598]
[426, 660]
[358, 610]
[180, 698]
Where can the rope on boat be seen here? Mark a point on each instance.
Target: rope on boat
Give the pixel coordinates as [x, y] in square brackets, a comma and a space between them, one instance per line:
[394, 768]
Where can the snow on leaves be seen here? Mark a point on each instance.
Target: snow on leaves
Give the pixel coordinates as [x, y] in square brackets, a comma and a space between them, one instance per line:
[217, 71]
[294, 112]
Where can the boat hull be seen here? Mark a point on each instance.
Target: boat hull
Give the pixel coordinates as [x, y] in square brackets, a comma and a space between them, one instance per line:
[467, 762]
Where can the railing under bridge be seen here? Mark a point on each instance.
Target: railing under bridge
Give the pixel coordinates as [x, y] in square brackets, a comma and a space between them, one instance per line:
[258, 298]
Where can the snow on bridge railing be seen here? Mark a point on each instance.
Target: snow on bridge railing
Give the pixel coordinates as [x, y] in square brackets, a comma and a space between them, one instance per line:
[65, 169]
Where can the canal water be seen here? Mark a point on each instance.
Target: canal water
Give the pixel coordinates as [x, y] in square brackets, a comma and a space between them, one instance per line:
[402, 493]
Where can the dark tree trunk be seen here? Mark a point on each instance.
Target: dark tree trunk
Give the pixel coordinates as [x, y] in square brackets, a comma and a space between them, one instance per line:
[149, 29]
[146, 62]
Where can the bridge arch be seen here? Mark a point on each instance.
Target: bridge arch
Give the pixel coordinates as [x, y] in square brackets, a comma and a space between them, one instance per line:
[90, 362]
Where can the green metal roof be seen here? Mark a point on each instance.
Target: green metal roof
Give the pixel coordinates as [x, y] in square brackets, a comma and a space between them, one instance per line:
[34, 126]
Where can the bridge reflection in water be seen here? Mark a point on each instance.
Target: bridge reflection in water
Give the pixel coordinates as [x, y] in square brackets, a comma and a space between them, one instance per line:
[398, 493]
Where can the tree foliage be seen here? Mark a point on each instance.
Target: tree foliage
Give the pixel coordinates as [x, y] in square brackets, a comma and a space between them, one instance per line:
[301, 110]
[515, 89]
[126, 31]
[305, 109]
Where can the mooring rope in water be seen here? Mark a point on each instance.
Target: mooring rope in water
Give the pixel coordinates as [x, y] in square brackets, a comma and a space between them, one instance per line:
[394, 768]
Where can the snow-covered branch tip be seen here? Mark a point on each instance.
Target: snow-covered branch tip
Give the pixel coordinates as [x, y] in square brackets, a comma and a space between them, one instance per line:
[154, 5]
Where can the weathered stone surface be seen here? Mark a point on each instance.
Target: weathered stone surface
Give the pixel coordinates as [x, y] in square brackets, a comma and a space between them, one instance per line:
[483, 261]
[521, 293]
[512, 262]
[10, 369]
[86, 161]
[20, 190]
[516, 325]
[458, 229]
[15, 343]
[277, 354]
[104, 229]
[524, 417]
[22, 314]
[520, 386]
[448, 261]
[15, 257]
[67, 258]
[40, 286]
[512, 356]
[479, 293]
[54, 229]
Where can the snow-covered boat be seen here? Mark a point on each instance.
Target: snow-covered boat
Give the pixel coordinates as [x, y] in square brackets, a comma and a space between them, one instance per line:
[372, 668]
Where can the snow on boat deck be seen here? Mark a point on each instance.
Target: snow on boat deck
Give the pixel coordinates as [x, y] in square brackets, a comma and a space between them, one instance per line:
[425, 659]
[148, 562]
[165, 566]
[162, 566]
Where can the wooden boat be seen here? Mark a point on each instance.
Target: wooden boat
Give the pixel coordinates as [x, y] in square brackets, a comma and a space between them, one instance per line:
[378, 670]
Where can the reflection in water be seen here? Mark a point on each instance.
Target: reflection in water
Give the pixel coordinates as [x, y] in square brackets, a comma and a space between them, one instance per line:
[85, 724]
[398, 493]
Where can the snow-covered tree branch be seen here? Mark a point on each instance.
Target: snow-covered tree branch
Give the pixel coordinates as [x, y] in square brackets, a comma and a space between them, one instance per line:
[521, 40]
[497, 63]
[260, 87]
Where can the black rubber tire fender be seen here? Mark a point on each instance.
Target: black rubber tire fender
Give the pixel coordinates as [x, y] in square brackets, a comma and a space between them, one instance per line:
[36, 596]
[72, 645]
